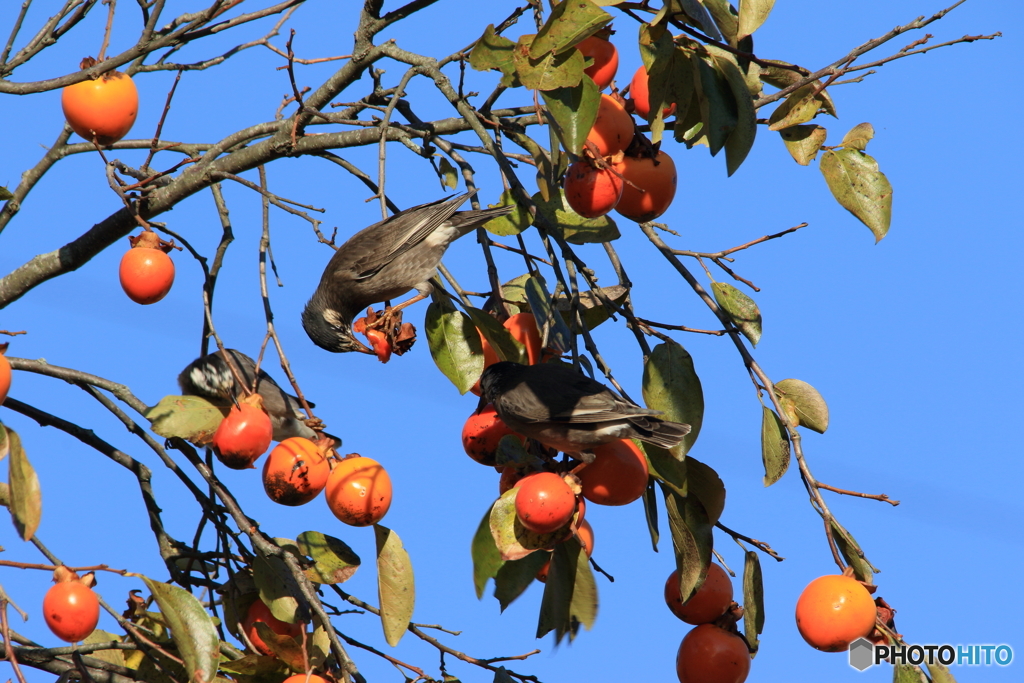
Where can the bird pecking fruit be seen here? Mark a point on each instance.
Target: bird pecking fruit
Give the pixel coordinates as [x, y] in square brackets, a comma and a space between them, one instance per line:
[244, 435]
[295, 472]
[833, 611]
[544, 502]
[359, 491]
[146, 271]
[102, 108]
[710, 601]
[70, 607]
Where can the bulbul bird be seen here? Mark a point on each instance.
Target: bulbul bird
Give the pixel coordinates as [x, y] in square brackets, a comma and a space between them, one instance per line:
[383, 262]
[210, 377]
[566, 410]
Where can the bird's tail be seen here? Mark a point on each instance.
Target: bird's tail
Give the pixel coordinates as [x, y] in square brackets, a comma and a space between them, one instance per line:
[659, 432]
[467, 221]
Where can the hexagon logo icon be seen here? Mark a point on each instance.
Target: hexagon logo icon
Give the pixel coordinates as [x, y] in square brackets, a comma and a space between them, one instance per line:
[862, 653]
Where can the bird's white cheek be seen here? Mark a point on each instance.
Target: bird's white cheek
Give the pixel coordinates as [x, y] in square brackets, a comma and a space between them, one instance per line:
[332, 317]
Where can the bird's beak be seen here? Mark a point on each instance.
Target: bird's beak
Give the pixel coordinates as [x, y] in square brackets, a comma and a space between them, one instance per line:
[480, 404]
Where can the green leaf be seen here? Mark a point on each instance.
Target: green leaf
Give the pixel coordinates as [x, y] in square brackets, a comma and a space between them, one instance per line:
[320, 648]
[906, 673]
[940, 673]
[511, 538]
[115, 657]
[752, 14]
[740, 308]
[774, 446]
[725, 18]
[741, 138]
[693, 12]
[548, 72]
[554, 333]
[492, 52]
[718, 107]
[277, 588]
[335, 561]
[5, 444]
[852, 553]
[803, 142]
[568, 24]
[859, 187]
[573, 227]
[395, 584]
[570, 594]
[859, 136]
[285, 647]
[505, 346]
[5, 494]
[804, 405]
[651, 514]
[671, 385]
[590, 306]
[26, 499]
[486, 556]
[502, 676]
[670, 77]
[691, 540]
[191, 628]
[703, 481]
[800, 106]
[449, 176]
[514, 291]
[5, 194]
[511, 223]
[783, 74]
[190, 417]
[574, 110]
[256, 668]
[753, 599]
[515, 576]
[454, 345]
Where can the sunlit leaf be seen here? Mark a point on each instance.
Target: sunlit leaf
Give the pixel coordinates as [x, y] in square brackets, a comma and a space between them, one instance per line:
[752, 14]
[449, 176]
[115, 657]
[740, 308]
[6, 194]
[774, 446]
[741, 138]
[859, 187]
[5, 444]
[26, 499]
[554, 333]
[940, 673]
[800, 106]
[703, 481]
[492, 52]
[574, 110]
[804, 142]
[454, 345]
[808, 407]
[548, 72]
[512, 539]
[277, 588]
[852, 553]
[511, 223]
[590, 306]
[753, 598]
[486, 556]
[859, 136]
[783, 74]
[725, 18]
[573, 227]
[671, 385]
[190, 417]
[285, 647]
[568, 24]
[395, 584]
[191, 628]
[691, 540]
[335, 561]
[515, 576]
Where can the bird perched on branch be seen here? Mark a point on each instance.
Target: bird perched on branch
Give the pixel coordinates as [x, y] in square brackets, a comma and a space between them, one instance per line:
[566, 410]
[210, 377]
[383, 262]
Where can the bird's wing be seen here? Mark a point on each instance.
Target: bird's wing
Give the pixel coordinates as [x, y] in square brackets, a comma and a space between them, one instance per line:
[383, 242]
[561, 394]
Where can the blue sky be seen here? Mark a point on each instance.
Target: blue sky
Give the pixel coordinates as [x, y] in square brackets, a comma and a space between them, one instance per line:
[913, 342]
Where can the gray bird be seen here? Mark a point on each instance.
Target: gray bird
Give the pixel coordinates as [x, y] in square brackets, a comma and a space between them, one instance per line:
[383, 262]
[566, 410]
[210, 377]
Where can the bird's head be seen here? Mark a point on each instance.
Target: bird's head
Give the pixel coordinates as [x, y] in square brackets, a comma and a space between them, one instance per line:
[330, 330]
[495, 380]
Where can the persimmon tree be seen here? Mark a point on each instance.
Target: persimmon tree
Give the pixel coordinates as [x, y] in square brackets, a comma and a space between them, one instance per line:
[709, 90]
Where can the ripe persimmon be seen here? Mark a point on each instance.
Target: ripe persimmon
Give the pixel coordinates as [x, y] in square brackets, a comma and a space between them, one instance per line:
[302, 678]
[523, 328]
[710, 601]
[639, 93]
[710, 654]
[380, 345]
[103, 107]
[544, 503]
[481, 434]
[833, 611]
[5, 377]
[617, 476]
[613, 129]
[244, 435]
[295, 472]
[71, 609]
[606, 60]
[146, 271]
[652, 190]
[359, 491]
[258, 611]
[592, 191]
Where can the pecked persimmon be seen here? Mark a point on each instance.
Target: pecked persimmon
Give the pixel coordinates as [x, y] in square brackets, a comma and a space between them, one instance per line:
[295, 472]
[103, 108]
[613, 129]
[650, 186]
[146, 271]
[710, 654]
[639, 93]
[481, 434]
[833, 611]
[606, 60]
[359, 491]
[592, 191]
[710, 601]
[258, 611]
[244, 435]
[544, 503]
[70, 608]
[617, 476]
[380, 345]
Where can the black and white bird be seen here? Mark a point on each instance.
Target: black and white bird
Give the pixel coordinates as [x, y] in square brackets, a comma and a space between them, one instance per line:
[566, 410]
[210, 377]
[383, 262]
